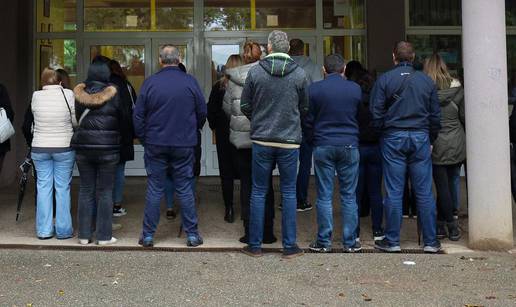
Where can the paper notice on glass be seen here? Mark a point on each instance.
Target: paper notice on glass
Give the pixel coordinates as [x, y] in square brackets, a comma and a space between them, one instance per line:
[341, 7]
[131, 21]
[272, 21]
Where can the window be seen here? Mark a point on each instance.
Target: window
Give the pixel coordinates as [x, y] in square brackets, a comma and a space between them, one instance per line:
[174, 15]
[231, 15]
[511, 56]
[56, 16]
[510, 7]
[57, 53]
[449, 48]
[350, 47]
[344, 14]
[435, 12]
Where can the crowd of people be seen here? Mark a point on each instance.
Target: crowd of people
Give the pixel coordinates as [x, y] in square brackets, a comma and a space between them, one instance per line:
[275, 110]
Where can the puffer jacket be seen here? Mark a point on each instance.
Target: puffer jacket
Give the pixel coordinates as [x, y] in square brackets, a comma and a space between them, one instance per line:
[100, 129]
[239, 124]
[450, 145]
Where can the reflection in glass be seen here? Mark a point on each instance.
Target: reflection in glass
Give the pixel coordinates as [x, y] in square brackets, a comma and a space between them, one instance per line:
[511, 56]
[449, 48]
[131, 59]
[57, 53]
[173, 15]
[350, 47]
[344, 15]
[435, 12]
[56, 15]
[227, 16]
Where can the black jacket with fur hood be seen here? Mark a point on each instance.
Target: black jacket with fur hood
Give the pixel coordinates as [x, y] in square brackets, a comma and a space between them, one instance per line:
[100, 130]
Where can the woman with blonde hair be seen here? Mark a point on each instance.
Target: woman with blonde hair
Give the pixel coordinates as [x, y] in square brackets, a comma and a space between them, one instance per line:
[449, 149]
[226, 152]
[53, 108]
[239, 136]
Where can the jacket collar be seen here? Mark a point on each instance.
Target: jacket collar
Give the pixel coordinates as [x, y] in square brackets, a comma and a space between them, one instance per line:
[52, 87]
[94, 100]
[169, 68]
[334, 75]
[403, 64]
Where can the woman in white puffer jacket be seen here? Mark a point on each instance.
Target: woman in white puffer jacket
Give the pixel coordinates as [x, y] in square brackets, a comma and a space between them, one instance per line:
[53, 108]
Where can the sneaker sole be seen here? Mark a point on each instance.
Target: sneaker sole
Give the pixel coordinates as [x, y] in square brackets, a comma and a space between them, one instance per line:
[320, 250]
[254, 255]
[304, 210]
[380, 238]
[293, 255]
[119, 214]
[395, 249]
[431, 250]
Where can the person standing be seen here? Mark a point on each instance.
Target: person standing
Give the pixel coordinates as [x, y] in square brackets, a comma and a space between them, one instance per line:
[53, 109]
[275, 99]
[449, 150]
[313, 74]
[405, 107]
[97, 141]
[332, 127]
[170, 110]
[5, 103]
[226, 152]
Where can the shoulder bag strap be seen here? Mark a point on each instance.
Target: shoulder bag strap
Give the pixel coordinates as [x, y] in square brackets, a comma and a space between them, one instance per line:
[68, 106]
[131, 94]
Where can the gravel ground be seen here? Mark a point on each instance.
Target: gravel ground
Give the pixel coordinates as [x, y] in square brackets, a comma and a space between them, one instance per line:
[98, 278]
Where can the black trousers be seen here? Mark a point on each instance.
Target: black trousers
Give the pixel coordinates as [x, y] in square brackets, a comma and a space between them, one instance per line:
[2, 156]
[245, 162]
[226, 156]
[443, 184]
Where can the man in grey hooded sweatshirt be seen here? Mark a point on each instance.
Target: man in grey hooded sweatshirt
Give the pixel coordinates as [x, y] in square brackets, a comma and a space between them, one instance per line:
[313, 74]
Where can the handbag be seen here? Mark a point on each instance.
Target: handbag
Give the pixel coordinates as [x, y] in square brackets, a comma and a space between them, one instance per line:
[6, 127]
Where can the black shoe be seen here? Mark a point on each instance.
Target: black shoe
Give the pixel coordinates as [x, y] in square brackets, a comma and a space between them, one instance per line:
[304, 206]
[171, 214]
[453, 231]
[45, 238]
[353, 249]
[194, 241]
[269, 239]
[441, 231]
[293, 252]
[383, 245]
[252, 251]
[319, 248]
[378, 235]
[456, 214]
[244, 239]
[229, 215]
[146, 243]
[434, 249]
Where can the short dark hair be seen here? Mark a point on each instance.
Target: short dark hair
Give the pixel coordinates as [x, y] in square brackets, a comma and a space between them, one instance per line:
[297, 47]
[334, 63]
[353, 70]
[404, 52]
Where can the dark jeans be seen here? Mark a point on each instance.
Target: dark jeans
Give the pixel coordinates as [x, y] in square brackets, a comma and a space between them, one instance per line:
[402, 150]
[370, 180]
[444, 185]
[303, 175]
[179, 162]
[245, 162]
[226, 156]
[344, 160]
[264, 160]
[97, 173]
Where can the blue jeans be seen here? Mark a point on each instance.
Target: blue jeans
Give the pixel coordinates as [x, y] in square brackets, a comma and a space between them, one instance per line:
[54, 169]
[178, 161]
[118, 187]
[264, 160]
[303, 175]
[97, 173]
[169, 192]
[344, 160]
[402, 150]
[370, 180]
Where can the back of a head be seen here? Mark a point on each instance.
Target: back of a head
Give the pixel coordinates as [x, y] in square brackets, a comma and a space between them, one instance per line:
[404, 52]
[436, 68]
[353, 70]
[49, 77]
[297, 47]
[252, 52]
[169, 55]
[116, 69]
[278, 42]
[233, 61]
[98, 72]
[101, 58]
[63, 78]
[334, 63]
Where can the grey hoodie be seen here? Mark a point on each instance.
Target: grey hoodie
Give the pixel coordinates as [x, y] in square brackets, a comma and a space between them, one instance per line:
[274, 99]
[312, 70]
[239, 125]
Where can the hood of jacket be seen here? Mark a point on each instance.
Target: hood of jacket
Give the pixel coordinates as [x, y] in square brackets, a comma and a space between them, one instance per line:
[278, 64]
[93, 100]
[239, 74]
[446, 96]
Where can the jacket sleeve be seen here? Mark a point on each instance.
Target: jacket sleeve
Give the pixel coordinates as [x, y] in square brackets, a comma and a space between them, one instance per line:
[201, 109]
[309, 121]
[246, 100]
[139, 113]
[5, 103]
[304, 98]
[377, 104]
[435, 115]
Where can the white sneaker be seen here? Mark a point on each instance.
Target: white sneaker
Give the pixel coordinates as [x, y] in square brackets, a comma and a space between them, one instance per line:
[107, 242]
[84, 241]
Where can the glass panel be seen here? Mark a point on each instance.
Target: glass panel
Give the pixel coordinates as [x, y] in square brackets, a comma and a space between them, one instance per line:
[130, 57]
[113, 15]
[435, 12]
[227, 15]
[219, 57]
[344, 14]
[511, 57]
[448, 46]
[182, 51]
[350, 47]
[55, 15]
[174, 15]
[510, 7]
[57, 53]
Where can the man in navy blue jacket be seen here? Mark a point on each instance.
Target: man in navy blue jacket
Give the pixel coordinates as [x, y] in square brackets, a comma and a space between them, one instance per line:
[332, 126]
[169, 111]
[405, 107]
